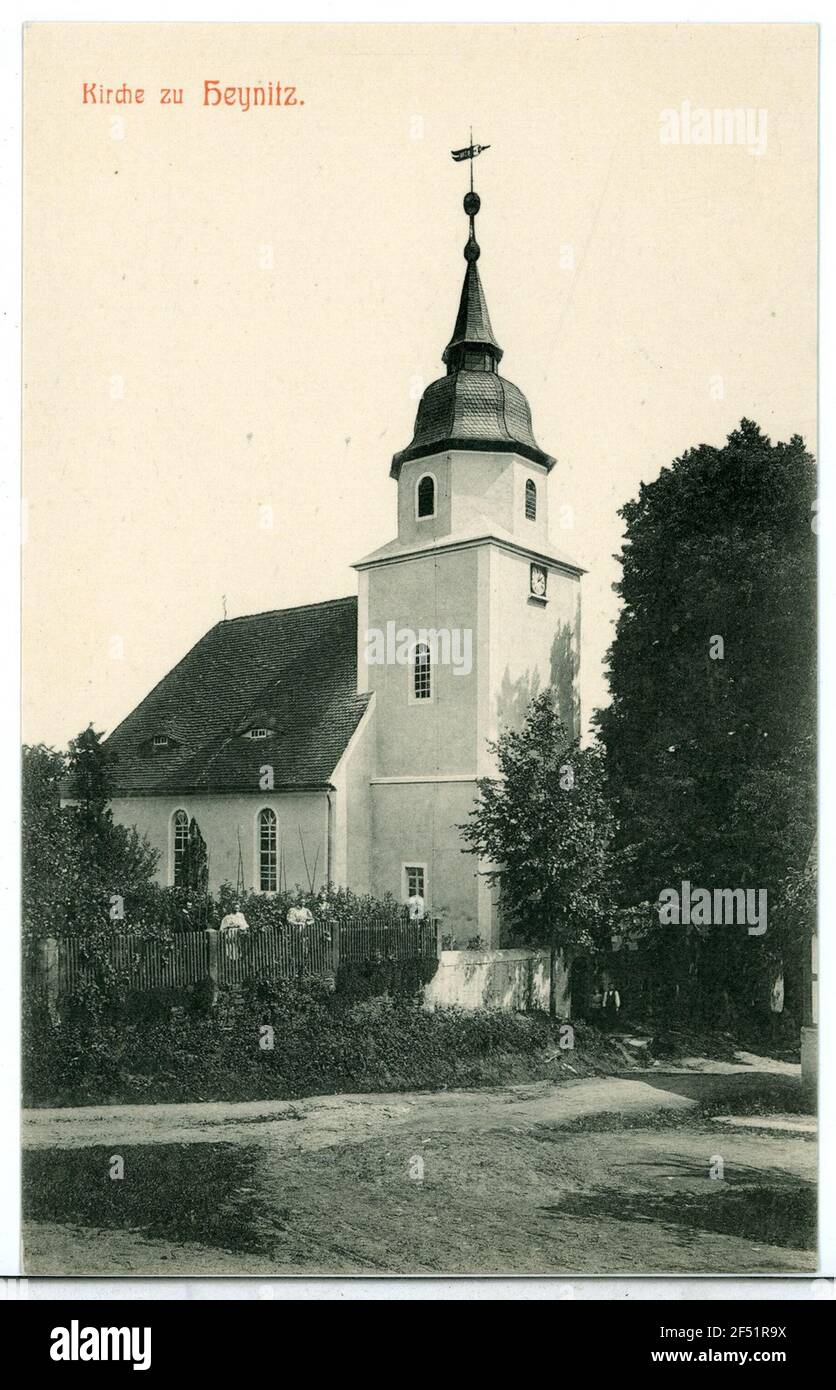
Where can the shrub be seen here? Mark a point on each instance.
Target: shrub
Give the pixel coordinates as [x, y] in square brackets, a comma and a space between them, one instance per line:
[319, 1043]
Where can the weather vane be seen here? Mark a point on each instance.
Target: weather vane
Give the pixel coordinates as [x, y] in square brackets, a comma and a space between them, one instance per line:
[469, 152]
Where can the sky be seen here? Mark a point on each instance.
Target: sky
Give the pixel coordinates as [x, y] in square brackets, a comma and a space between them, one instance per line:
[229, 314]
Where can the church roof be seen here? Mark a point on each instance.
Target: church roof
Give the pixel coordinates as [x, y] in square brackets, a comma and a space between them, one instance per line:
[472, 407]
[473, 410]
[292, 671]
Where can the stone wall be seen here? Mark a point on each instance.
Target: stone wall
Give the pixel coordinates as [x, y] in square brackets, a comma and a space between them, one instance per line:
[517, 980]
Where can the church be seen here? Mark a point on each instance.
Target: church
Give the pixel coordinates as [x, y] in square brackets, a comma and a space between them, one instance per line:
[341, 742]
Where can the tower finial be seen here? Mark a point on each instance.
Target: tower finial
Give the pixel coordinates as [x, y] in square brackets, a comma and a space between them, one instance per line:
[472, 202]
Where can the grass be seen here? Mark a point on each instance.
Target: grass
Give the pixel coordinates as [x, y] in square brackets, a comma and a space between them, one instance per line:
[782, 1214]
[201, 1192]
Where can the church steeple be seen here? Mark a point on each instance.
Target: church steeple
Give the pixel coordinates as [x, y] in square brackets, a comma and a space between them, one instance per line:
[473, 330]
[472, 407]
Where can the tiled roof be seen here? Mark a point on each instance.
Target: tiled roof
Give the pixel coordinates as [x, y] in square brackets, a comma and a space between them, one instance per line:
[473, 322]
[472, 410]
[292, 671]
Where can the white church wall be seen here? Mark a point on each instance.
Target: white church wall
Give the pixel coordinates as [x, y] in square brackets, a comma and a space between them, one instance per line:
[411, 527]
[532, 645]
[490, 487]
[438, 735]
[475, 490]
[416, 822]
[427, 754]
[220, 818]
[351, 864]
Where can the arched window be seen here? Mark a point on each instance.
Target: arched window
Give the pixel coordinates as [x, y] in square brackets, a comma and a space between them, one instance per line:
[180, 839]
[267, 850]
[426, 496]
[421, 673]
[530, 501]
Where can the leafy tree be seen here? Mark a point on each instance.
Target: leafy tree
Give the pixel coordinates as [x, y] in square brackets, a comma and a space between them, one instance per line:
[710, 733]
[546, 824]
[89, 777]
[45, 842]
[78, 866]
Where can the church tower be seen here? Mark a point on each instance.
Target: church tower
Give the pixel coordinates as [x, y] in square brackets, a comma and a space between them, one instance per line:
[462, 618]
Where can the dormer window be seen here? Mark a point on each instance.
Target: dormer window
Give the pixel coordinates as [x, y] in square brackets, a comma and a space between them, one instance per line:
[258, 731]
[158, 743]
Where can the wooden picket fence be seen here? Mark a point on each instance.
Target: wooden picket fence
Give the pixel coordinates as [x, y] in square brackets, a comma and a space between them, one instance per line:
[383, 938]
[61, 964]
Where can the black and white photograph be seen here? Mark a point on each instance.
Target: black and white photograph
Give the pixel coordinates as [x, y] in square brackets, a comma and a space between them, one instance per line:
[419, 652]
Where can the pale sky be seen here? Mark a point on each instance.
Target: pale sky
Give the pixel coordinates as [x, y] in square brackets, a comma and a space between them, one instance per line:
[228, 311]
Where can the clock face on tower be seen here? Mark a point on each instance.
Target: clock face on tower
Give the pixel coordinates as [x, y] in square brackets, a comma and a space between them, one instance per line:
[538, 581]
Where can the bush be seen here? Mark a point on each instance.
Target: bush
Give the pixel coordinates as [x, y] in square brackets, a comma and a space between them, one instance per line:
[150, 910]
[273, 1039]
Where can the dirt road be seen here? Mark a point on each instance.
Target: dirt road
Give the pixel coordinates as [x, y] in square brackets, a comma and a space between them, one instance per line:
[603, 1175]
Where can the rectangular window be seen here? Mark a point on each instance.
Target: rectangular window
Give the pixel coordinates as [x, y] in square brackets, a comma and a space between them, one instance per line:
[414, 880]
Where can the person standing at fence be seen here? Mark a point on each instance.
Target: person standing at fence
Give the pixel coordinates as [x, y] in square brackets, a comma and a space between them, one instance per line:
[301, 920]
[323, 913]
[233, 926]
[416, 908]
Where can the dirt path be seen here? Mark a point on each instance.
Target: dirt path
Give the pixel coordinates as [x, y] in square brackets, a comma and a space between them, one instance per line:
[319, 1121]
[601, 1175]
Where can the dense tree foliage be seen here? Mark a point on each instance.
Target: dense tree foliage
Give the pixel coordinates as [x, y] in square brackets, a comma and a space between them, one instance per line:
[710, 733]
[77, 864]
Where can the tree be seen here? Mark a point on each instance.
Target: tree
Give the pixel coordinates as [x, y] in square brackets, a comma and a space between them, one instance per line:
[89, 777]
[45, 841]
[78, 866]
[710, 735]
[546, 824]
